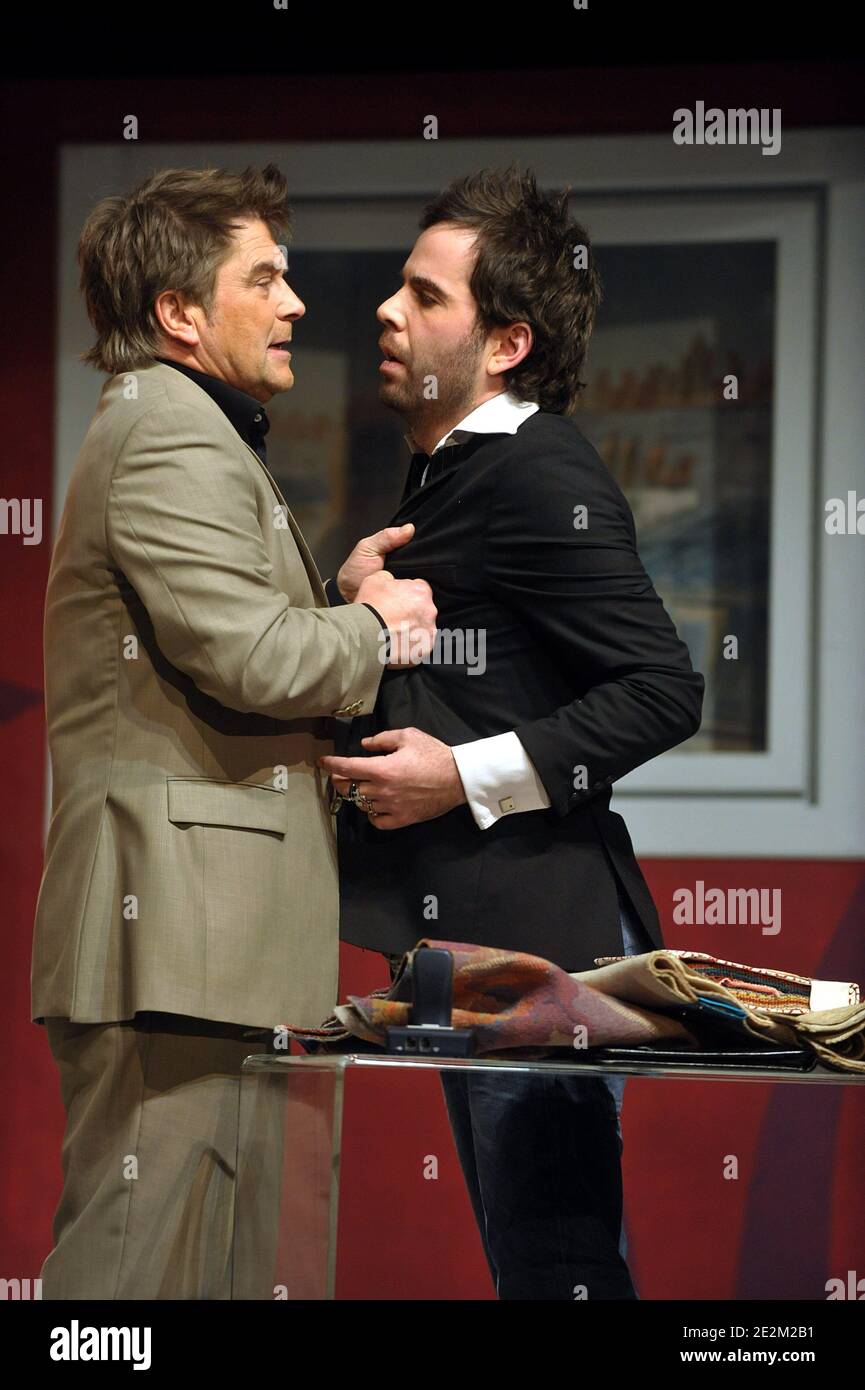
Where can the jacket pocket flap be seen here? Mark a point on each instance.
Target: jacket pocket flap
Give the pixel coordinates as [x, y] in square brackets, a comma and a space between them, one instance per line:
[198, 801]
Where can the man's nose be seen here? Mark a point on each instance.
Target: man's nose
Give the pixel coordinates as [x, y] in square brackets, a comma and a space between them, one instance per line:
[390, 312]
[293, 306]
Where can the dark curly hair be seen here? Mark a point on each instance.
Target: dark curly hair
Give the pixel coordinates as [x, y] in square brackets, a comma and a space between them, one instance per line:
[525, 270]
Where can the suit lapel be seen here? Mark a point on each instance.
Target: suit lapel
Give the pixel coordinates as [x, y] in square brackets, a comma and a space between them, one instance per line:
[458, 454]
[305, 554]
[181, 382]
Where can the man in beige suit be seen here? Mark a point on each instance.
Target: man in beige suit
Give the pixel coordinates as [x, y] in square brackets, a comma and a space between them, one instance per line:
[192, 668]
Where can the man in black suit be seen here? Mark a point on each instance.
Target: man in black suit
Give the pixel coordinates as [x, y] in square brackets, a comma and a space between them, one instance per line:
[480, 786]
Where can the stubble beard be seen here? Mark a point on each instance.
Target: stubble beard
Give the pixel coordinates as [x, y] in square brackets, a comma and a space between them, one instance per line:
[455, 387]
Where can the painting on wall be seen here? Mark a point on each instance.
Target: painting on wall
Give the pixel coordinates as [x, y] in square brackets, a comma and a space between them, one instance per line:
[679, 407]
[677, 325]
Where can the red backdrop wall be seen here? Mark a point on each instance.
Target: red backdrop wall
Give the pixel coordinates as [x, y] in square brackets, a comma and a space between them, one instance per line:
[796, 1215]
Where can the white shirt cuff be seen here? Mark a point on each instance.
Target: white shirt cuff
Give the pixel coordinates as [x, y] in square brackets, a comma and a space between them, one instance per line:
[499, 778]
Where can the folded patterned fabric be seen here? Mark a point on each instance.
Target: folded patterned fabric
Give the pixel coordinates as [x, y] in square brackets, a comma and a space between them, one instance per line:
[520, 1005]
[692, 981]
[758, 985]
[836, 1035]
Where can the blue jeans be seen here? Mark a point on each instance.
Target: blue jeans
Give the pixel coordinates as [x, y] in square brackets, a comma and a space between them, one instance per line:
[541, 1158]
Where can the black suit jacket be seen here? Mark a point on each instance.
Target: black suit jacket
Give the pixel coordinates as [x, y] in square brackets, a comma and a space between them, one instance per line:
[581, 661]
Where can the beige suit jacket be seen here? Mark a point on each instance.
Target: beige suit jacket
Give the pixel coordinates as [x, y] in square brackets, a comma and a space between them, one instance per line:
[191, 668]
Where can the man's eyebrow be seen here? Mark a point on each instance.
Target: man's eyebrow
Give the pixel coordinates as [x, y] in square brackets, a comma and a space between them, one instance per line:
[421, 282]
[262, 268]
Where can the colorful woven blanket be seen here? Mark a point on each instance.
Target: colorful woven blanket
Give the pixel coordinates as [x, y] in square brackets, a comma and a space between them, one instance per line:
[523, 1006]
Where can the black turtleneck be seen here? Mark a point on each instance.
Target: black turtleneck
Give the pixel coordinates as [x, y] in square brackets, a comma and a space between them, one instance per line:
[244, 412]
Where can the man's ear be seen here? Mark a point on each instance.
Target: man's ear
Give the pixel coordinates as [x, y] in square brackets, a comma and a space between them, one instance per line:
[175, 316]
[514, 343]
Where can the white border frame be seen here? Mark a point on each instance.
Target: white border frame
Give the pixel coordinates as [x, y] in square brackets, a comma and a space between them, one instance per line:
[792, 223]
[819, 809]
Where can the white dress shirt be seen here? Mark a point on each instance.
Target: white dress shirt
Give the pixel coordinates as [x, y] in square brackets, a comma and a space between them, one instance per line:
[498, 776]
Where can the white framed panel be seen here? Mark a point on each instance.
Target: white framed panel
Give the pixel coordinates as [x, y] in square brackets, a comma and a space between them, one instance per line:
[805, 796]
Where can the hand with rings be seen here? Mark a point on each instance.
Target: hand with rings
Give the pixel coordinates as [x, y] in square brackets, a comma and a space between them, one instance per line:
[359, 798]
[413, 777]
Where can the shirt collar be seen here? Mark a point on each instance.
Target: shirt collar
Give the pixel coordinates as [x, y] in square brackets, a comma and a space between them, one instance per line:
[502, 414]
[244, 412]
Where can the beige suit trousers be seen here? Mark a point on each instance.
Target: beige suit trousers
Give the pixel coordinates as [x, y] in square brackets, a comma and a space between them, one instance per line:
[149, 1158]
